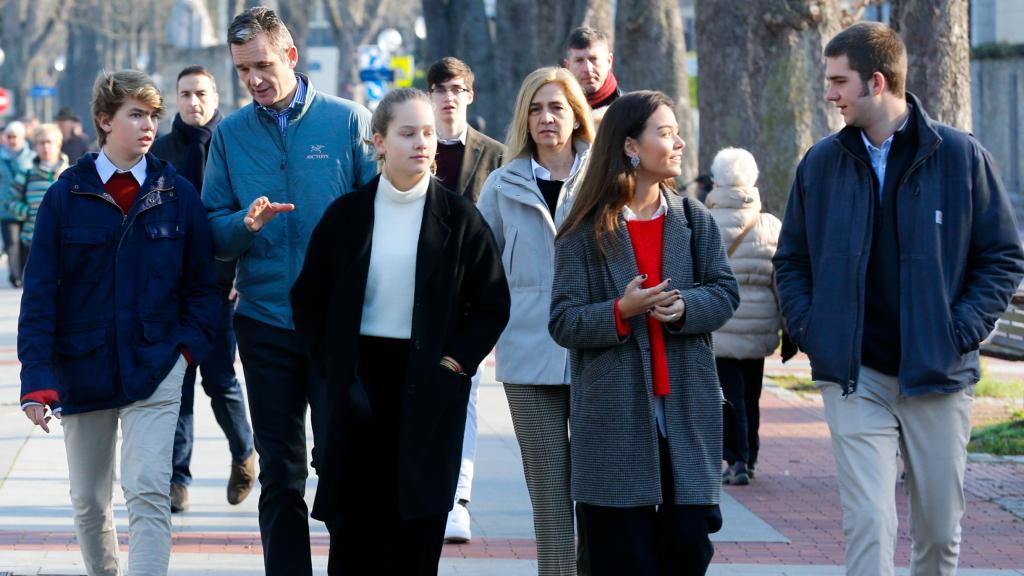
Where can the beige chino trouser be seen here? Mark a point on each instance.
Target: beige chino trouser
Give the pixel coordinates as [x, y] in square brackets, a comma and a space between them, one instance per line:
[931, 433]
[147, 432]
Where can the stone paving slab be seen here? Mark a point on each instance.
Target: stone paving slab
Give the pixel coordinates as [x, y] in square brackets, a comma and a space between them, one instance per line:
[786, 523]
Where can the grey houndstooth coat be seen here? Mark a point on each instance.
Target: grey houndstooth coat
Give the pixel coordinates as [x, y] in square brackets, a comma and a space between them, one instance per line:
[614, 431]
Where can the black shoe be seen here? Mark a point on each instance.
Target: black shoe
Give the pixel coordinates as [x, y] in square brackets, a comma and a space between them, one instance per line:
[737, 475]
[751, 470]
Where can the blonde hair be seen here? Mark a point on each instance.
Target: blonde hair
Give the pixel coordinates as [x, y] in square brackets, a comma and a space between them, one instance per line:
[519, 142]
[112, 90]
[49, 128]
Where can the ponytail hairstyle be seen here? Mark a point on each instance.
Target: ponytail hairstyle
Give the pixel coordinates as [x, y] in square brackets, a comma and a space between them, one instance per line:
[385, 111]
[610, 181]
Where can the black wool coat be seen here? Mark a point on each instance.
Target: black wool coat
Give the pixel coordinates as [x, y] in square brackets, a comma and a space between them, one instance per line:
[460, 308]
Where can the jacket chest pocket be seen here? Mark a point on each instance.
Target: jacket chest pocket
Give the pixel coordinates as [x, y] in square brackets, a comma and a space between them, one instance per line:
[164, 247]
[86, 254]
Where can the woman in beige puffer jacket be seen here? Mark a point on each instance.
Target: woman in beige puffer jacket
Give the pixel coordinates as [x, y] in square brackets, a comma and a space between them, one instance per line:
[750, 237]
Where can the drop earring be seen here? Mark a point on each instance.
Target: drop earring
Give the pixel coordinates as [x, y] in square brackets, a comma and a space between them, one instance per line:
[634, 161]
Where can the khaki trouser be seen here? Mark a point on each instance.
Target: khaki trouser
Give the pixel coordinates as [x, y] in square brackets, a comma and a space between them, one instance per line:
[931, 433]
[147, 430]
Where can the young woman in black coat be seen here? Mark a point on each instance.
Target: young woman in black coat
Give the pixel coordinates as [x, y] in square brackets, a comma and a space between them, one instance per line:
[401, 297]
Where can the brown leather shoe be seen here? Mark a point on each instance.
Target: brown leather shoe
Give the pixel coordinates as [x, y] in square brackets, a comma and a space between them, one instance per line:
[242, 475]
[179, 498]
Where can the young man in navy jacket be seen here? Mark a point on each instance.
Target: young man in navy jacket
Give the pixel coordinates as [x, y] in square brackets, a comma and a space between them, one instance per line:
[119, 299]
[898, 253]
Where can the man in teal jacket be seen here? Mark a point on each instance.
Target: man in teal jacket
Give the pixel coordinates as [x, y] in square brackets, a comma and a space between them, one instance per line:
[289, 153]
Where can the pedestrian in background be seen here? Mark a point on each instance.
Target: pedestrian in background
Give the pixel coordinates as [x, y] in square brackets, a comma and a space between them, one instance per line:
[75, 143]
[750, 238]
[31, 185]
[641, 280]
[186, 147]
[119, 299]
[16, 157]
[400, 298]
[273, 168]
[525, 201]
[464, 159]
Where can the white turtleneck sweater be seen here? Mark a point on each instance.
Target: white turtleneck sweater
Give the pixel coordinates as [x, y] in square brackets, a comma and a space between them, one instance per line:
[391, 282]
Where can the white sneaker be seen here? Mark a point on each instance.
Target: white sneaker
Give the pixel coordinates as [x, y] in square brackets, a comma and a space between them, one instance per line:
[457, 529]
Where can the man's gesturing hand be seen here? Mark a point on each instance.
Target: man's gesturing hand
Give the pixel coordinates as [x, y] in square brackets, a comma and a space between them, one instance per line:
[262, 210]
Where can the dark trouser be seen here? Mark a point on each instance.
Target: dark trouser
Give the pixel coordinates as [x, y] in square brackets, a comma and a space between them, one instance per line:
[280, 386]
[370, 537]
[665, 540]
[221, 385]
[741, 383]
[11, 231]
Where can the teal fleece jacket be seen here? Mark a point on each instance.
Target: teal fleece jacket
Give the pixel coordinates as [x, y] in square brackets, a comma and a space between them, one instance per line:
[322, 155]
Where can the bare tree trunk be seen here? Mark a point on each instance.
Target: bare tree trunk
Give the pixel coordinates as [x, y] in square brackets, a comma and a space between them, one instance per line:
[74, 88]
[25, 27]
[595, 14]
[937, 35]
[295, 15]
[651, 55]
[460, 28]
[353, 23]
[771, 101]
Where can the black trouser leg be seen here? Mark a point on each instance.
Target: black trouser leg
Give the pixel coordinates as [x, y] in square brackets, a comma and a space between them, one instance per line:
[734, 425]
[684, 547]
[278, 380]
[753, 383]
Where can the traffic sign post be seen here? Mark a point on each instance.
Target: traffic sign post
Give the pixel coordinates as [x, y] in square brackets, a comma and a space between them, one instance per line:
[6, 103]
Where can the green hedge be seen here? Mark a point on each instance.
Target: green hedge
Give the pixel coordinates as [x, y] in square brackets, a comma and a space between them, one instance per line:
[997, 51]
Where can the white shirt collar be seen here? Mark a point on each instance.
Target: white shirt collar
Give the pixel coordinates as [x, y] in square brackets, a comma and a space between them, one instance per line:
[107, 169]
[884, 148]
[545, 174]
[662, 209]
[461, 138]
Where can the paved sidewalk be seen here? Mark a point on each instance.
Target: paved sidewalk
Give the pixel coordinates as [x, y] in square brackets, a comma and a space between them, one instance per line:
[787, 523]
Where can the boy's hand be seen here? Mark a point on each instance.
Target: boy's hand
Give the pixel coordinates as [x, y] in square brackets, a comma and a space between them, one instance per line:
[37, 414]
[262, 210]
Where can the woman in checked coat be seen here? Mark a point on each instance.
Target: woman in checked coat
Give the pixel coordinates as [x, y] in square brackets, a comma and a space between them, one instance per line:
[641, 280]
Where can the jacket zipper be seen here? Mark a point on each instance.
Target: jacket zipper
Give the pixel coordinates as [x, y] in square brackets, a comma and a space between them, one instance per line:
[852, 382]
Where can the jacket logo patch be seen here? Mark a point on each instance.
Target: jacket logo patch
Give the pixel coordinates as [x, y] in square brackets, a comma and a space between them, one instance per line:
[316, 152]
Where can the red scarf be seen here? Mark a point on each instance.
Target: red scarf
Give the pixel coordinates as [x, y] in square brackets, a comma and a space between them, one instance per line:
[607, 89]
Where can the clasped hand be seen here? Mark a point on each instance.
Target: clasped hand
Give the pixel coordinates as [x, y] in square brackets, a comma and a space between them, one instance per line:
[663, 304]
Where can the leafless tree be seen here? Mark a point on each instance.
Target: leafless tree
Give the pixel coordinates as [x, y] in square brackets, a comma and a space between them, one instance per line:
[26, 27]
[650, 54]
[762, 83]
[937, 35]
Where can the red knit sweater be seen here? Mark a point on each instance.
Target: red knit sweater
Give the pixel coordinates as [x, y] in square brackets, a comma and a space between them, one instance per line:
[646, 238]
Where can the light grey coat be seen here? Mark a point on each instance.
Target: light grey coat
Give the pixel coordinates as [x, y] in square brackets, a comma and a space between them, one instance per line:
[614, 432]
[518, 215]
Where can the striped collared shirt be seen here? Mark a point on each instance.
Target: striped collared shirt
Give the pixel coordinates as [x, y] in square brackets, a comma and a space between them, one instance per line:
[283, 116]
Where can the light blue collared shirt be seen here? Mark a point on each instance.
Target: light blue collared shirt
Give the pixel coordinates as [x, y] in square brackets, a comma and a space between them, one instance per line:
[106, 169]
[880, 155]
[298, 100]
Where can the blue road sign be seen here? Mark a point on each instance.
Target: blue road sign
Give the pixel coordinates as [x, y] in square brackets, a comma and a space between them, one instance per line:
[375, 90]
[377, 75]
[42, 92]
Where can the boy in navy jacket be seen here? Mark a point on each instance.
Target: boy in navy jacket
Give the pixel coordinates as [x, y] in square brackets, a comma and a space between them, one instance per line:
[119, 298]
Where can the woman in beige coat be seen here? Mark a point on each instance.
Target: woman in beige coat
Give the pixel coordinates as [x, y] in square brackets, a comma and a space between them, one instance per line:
[750, 238]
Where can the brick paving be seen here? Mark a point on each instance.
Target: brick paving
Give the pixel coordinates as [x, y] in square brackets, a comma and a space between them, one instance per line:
[795, 492]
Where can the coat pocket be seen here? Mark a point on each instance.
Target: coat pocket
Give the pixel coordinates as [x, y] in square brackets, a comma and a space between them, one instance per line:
[84, 366]
[165, 249]
[85, 253]
[598, 368]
